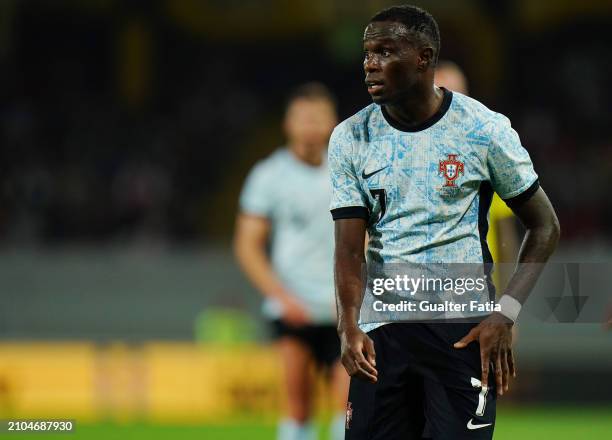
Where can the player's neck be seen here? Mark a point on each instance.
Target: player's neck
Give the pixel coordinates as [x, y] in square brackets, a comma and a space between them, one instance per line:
[418, 107]
[309, 156]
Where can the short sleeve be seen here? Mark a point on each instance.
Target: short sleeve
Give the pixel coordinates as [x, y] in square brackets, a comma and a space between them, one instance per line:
[348, 200]
[256, 196]
[510, 167]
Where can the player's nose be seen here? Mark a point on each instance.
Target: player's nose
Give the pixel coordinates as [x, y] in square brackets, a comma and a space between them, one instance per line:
[371, 64]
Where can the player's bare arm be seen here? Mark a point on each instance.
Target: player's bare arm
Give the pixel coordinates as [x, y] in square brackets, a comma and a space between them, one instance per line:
[495, 333]
[250, 243]
[358, 356]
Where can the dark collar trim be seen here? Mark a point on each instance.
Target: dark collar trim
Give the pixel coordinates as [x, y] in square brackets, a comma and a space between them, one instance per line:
[446, 102]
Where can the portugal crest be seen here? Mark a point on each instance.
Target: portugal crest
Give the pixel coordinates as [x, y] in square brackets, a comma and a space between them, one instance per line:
[451, 168]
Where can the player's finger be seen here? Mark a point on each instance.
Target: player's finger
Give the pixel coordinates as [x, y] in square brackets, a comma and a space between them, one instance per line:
[370, 352]
[357, 354]
[505, 370]
[484, 366]
[363, 363]
[350, 369]
[499, 374]
[511, 363]
[361, 371]
[470, 337]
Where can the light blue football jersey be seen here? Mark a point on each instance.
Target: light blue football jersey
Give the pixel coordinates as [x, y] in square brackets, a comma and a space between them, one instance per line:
[295, 197]
[425, 193]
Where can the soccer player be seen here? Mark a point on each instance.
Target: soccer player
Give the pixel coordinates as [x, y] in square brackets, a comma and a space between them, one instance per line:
[284, 210]
[413, 380]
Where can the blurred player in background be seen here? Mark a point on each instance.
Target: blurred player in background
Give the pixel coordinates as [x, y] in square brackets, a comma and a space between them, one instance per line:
[502, 236]
[284, 244]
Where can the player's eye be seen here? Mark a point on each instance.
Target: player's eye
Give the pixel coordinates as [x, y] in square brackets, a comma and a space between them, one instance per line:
[386, 53]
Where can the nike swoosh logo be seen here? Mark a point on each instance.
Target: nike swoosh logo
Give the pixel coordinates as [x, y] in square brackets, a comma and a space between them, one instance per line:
[367, 176]
[470, 425]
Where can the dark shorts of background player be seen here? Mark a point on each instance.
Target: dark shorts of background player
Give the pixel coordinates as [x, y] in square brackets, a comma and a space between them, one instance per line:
[425, 388]
[321, 340]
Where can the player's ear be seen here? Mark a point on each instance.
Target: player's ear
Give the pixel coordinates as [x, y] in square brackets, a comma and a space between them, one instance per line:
[425, 58]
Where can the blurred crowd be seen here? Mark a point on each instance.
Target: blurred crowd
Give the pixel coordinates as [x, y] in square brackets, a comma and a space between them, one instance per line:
[92, 150]
[80, 160]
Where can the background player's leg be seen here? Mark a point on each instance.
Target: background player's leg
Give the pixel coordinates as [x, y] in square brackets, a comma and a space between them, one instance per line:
[324, 344]
[297, 360]
[340, 386]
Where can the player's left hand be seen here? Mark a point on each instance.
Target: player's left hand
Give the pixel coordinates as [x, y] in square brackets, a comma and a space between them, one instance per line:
[495, 337]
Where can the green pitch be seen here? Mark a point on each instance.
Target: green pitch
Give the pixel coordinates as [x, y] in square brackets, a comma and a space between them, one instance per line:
[526, 423]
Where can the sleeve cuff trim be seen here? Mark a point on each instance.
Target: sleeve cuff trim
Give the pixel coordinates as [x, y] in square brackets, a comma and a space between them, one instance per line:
[524, 196]
[350, 212]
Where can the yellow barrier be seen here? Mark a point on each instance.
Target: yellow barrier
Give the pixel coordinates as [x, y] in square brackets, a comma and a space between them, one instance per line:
[161, 382]
[188, 382]
[47, 380]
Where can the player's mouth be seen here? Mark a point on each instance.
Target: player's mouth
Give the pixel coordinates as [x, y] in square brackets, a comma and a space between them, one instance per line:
[374, 87]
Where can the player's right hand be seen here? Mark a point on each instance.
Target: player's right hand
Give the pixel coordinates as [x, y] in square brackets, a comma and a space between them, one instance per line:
[358, 355]
[294, 312]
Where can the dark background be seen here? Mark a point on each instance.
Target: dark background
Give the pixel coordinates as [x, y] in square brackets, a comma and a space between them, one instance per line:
[131, 121]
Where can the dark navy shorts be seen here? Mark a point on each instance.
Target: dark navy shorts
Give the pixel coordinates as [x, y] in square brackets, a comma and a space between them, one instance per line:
[426, 389]
[321, 340]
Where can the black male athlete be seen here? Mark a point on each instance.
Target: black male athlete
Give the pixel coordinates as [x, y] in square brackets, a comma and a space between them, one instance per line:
[416, 170]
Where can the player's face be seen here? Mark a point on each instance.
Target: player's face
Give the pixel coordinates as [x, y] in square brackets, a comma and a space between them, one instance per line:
[309, 122]
[390, 61]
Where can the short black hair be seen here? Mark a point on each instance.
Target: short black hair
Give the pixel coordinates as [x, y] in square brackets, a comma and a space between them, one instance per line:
[311, 91]
[417, 20]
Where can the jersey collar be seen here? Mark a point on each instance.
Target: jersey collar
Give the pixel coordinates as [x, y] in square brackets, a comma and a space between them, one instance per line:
[446, 102]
